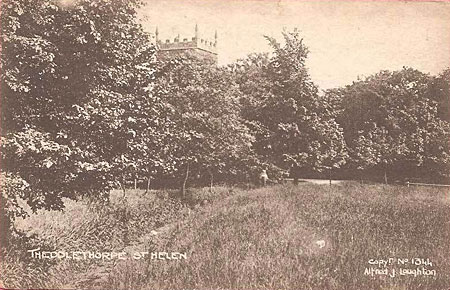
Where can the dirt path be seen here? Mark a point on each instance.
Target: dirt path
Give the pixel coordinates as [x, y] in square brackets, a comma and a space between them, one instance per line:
[320, 181]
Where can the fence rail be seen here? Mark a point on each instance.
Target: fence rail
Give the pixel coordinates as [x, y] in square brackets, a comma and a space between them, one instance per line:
[426, 184]
[324, 181]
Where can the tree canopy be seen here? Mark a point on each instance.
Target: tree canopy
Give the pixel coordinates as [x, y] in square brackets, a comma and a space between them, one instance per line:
[208, 134]
[75, 87]
[283, 107]
[393, 121]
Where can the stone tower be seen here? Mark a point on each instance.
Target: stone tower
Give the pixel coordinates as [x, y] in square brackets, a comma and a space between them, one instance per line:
[196, 46]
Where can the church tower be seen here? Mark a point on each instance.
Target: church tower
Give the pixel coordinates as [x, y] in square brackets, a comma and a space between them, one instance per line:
[199, 47]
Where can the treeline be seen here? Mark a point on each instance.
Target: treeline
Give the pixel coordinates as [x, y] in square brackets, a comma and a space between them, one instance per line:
[390, 127]
[86, 106]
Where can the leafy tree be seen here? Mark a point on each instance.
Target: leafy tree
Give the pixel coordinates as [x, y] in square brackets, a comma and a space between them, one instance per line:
[76, 91]
[391, 123]
[292, 125]
[208, 134]
[440, 92]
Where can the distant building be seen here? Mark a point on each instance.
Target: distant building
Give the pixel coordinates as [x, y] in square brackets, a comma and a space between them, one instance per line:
[196, 46]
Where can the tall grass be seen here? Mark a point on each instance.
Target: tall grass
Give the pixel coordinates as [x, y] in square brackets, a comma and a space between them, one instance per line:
[305, 237]
[84, 226]
[280, 237]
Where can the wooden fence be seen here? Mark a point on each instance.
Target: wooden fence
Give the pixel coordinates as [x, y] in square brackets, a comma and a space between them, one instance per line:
[426, 184]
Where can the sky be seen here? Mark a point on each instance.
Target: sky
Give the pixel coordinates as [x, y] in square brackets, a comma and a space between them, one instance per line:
[346, 39]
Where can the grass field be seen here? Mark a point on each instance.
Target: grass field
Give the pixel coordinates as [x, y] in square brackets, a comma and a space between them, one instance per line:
[280, 237]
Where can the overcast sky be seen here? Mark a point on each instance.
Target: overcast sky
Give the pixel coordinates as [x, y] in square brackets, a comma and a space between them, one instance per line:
[346, 39]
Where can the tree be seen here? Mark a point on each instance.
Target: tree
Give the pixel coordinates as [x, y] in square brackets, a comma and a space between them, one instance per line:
[440, 92]
[208, 134]
[391, 124]
[293, 127]
[76, 90]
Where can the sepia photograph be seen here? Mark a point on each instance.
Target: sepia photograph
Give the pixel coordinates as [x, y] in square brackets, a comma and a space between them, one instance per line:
[224, 145]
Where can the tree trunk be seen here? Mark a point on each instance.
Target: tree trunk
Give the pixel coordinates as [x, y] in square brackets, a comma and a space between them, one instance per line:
[122, 187]
[183, 187]
[135, 183]
[148, 184]
[211, 181]
[329, 176]
[385, 176]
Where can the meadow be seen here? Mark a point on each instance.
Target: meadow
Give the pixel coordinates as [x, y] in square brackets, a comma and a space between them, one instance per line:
[279, 237]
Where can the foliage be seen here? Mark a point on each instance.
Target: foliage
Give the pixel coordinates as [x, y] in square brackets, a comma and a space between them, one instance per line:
[75, 90]
[391, 121]
[207, 133]
[440, 92]
[284, 110]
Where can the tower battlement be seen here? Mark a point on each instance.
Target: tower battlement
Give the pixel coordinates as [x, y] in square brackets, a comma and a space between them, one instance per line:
[197, 46]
